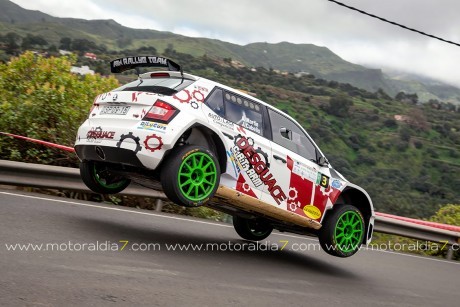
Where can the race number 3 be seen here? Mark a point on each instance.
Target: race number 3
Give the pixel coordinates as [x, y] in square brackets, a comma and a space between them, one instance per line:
[322, 180]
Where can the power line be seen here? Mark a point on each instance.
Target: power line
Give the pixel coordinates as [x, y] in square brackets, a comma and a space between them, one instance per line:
[394, 23]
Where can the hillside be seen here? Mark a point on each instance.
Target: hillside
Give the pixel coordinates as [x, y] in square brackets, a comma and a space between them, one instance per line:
[406, 156]
[284, 56]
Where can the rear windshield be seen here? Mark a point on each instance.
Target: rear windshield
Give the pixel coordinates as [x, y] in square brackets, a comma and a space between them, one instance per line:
[163, 86]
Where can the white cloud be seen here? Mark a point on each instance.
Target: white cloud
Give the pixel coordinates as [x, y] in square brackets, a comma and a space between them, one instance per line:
[353, 36]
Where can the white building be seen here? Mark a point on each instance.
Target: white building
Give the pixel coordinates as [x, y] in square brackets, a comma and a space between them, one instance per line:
[84, 70]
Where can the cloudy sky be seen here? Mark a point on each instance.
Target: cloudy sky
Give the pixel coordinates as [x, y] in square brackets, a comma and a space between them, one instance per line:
[355, 37]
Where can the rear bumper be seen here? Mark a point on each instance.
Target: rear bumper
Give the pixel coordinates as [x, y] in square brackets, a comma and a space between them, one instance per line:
[107, 154]
[122, 142]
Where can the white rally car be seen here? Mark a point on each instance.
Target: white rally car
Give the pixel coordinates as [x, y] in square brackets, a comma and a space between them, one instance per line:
[209, 144]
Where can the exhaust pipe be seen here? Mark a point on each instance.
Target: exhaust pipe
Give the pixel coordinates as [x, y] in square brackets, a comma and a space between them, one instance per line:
[100, 153]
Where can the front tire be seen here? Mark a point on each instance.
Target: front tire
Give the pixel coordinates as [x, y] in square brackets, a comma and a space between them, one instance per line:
[252, 229]
[98, 178]
[190, 175]
[343, 231]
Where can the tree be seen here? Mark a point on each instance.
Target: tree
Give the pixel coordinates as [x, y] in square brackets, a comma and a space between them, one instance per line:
[382, 94]
[169, 51]
[12, 41]
[32, 41]
[400, 96]
[147, 50]
[65, 43]
[83, 45]
[403, 97]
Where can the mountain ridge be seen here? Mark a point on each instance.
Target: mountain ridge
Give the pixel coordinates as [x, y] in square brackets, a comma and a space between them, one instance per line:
[283, 56]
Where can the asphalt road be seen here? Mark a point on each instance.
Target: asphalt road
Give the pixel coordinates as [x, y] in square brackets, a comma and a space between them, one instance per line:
[161, 277]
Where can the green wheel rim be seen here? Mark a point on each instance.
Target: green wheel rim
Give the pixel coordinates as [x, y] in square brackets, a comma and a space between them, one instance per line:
[103, 178]
[197, 176]
[257, 229]
[349, 231]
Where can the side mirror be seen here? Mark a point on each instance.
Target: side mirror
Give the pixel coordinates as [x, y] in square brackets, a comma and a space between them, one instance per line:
[286, 133]
[322, 161]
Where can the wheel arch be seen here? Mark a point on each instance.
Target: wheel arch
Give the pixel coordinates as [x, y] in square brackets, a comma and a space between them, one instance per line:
[199, 134]
[356, 196]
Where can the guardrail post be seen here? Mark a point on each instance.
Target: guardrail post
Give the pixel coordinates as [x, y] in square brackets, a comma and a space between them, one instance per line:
[450, 253]
[158, 205]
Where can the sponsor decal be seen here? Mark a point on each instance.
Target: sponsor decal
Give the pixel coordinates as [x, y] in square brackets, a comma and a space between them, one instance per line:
[300, 185]
[194, 105]
[241, 130]
[198, 96]
[250, 124]
[152, 126]
[189, 153]
[140, 60]
[134, 96]
[183, 96]
[231, 159]
[336, 184]
[200, 88]
[216, 119]
[96, 135]
[304, 171]
[311, 188]
[255, 163]
[312, 212]
[153, 142]
[293, 194]
[192, 98]
[136, 140]
[244, 187]
[104, 96]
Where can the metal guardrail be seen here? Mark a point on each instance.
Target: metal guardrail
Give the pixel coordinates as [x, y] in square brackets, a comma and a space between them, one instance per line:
[65, 178]
[47, 176]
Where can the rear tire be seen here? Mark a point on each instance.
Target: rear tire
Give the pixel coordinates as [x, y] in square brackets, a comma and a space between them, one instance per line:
[252, 229]
[343, 231]
[98, 178]
[190, 175]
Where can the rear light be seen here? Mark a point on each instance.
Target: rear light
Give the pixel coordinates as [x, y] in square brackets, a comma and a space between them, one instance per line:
[159, 75]
[161, 112]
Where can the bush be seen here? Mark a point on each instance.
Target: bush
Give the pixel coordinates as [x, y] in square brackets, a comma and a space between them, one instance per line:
[390, 123]
[339, 105]
[42, 99]
[418, 144]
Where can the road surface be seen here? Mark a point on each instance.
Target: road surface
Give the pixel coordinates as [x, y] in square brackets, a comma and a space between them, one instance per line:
[104, 255]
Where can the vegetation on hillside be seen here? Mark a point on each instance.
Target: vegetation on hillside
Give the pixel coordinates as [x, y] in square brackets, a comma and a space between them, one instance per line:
[104, 35]
[409, 163]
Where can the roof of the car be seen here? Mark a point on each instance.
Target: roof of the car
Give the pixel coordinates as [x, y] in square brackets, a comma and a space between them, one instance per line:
[177, 74]
[245, 95]
[225, 87]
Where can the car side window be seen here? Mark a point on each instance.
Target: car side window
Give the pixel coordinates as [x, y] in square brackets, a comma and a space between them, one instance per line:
[243, 112]
[289, 135]
[216, 102]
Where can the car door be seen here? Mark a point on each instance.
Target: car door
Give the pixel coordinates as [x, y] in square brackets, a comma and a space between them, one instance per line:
[305, 184]
[241, 121]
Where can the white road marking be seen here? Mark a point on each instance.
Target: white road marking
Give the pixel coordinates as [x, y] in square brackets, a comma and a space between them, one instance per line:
[114, 209]
[207, 223]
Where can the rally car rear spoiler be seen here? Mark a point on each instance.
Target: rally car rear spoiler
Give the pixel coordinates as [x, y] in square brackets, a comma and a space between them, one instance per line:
[134, 62]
